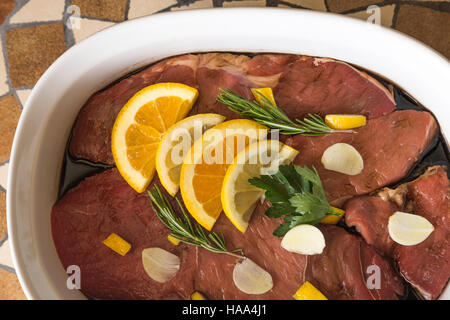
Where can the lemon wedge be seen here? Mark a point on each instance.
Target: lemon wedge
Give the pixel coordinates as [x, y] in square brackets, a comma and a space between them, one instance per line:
[239, 197]
[117, 244]
[140, 124]
[345, 121]
[308, 292]
[204, 167]
[409, 229]
[197, 296]
[267, 92]
[176, 143]
[332, 218]
[173, 240]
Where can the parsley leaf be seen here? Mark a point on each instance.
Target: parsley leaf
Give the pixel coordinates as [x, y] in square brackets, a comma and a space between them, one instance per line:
[296, 194]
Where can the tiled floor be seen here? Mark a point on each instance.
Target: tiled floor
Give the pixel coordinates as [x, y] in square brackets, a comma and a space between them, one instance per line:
[35, 32]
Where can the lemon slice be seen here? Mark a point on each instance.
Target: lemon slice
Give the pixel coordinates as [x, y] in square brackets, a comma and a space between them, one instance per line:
[308, 292]
[239, 197]
[176, 143]
[140, 124]
[267, 92]
[409, 229]
[345, 121]
[205, 165]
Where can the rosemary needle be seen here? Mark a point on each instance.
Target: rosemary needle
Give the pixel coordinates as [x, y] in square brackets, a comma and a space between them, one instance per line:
[273, 117]
[183, 229]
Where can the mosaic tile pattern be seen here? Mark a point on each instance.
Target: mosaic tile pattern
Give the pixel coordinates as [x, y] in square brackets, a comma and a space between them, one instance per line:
[425, 24]
[10, 287]
[31, 50]
[103, 9]
[36, 32]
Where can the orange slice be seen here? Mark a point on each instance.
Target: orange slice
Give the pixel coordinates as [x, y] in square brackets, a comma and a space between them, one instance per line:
[204, 167]
[140, 125]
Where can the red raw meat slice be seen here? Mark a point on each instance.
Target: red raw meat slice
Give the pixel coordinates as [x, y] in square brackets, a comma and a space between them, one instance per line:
[359, 93]
[342, 271]
[105, 204]
[337, 272]
[389, 146]
[269, 64]
[326, 86]
[426, 265]
[217, 71]
[215, 272]
[362, 210]
[91, 135]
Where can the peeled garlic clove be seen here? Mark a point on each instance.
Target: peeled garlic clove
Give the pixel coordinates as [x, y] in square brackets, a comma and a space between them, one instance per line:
[343, 158]
[251, 278]
[409, 229]
[160, 265]
[304, 239]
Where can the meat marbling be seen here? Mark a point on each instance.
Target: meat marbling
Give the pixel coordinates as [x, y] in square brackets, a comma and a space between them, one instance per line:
[105, 204]
[426, 265]
[389, 146]
[301, 85]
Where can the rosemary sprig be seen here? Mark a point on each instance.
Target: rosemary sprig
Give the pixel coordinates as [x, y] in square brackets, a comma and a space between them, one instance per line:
[273, 117]
[183, 229]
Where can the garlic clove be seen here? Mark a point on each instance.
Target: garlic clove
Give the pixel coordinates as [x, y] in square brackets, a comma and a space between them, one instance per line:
[409, 229]
[343, 158]
[159, 264]
[304, 239]
[251, 278]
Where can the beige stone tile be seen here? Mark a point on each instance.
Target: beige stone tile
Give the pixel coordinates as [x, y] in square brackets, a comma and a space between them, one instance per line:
[5, 255]
[10, 287]
[39, 10]
[318, 5]
[140, 8]
[3, 228]
[4, 175]
[245, 3]
[23, 95]
[386, 15]
[31, 50]
[87, 27]
[427, 25]
[9, 116]
[104, 9]
[202, 4]
[4, 87]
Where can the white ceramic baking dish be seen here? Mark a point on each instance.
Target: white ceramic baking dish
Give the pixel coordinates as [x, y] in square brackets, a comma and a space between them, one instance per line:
[51, 109]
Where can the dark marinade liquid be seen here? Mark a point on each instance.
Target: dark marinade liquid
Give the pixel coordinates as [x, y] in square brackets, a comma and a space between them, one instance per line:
[437, 153]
